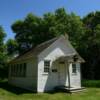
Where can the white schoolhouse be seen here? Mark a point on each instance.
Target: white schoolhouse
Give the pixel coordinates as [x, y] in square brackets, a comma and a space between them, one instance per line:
[52, 64]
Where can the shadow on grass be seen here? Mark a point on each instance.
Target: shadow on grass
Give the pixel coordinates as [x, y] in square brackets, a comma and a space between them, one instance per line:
[16, 90]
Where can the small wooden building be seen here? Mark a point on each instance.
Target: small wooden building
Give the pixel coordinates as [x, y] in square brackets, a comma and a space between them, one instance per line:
[54, 63]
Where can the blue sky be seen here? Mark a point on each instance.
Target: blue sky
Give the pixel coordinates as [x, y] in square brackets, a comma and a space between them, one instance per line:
[12, 10]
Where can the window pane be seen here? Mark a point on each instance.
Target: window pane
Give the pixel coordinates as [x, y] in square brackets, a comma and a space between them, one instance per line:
[20, 70]
[46, 65]
[24, 69]
[14, 70]
[11, 70]
[17, 70]
[74, 70]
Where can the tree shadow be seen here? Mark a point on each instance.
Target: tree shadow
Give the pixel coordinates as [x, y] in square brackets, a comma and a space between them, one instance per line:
[16, 90]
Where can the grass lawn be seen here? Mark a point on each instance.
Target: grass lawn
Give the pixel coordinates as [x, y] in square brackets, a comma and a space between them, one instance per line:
[8, 92]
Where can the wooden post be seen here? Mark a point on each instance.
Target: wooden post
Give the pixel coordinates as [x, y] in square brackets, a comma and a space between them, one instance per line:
[67, 65]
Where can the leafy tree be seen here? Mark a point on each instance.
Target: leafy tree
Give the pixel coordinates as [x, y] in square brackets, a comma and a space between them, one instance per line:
[2, 47]
[34, 30]
[3, 56]
[26, 31]
[12, 48]
[92, 46]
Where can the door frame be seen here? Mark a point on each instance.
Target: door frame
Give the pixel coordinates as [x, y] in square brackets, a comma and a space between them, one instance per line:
[62, 75]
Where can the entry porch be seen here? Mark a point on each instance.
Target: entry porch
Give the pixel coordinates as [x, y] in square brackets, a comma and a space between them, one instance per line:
[69, 74]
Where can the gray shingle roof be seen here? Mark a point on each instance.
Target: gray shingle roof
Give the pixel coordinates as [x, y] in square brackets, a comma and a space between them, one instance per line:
[35, 51]
[38, 49]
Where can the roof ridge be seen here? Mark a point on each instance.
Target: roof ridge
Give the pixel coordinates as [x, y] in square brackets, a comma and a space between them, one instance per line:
[45, 42]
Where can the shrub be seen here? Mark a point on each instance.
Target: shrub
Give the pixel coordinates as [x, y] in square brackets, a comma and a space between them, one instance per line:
[91, 83]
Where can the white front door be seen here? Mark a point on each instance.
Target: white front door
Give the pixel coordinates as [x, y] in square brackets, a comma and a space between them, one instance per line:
[53, 77]
[62, 74]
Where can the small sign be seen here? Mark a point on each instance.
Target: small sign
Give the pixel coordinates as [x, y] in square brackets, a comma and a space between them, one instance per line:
[54, 70]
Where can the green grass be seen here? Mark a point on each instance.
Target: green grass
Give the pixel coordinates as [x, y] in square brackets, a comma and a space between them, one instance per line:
[8, 92]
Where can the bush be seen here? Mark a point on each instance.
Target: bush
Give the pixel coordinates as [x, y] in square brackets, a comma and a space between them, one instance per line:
[91, 83]
[3, 71]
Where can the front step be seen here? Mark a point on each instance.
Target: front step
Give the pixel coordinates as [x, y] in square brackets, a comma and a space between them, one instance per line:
[69, 90]
[77, 90]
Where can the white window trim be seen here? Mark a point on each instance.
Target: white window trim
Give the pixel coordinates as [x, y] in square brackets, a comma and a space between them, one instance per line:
[45, 73]
[74, 73]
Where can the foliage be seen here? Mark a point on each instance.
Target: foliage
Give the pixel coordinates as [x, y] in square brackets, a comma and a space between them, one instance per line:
[2, 35]
[2, 46]
[12, 47]
[27, 32]
[91, 83]
[3, 56]
[34, 30]
[91, 52]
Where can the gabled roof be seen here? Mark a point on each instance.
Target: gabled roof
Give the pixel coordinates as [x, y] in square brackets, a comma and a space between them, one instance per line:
[35, 51]
[41, 47]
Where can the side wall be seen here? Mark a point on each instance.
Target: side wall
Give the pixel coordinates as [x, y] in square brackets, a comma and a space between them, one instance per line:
[30, 81]
[75, 78]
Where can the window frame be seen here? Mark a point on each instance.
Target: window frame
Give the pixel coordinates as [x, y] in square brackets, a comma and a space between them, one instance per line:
[18, 70]
[47, 66]
[74, 68]
[24, 69]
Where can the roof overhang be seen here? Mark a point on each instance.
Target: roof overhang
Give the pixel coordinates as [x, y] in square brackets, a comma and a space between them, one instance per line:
[71, 59]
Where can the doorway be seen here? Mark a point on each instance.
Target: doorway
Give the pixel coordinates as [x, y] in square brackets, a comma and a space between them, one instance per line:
[62, 74]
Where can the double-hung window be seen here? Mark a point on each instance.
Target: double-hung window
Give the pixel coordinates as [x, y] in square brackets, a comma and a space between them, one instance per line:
[46, 66]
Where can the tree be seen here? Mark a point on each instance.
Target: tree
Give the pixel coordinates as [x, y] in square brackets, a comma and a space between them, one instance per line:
[12, 47]
[34, 30]
[26, 32]
[92, 46]
[3, 56]
[2, 47]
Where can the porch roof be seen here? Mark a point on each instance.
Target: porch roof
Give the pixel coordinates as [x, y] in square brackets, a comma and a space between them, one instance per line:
[71, 58]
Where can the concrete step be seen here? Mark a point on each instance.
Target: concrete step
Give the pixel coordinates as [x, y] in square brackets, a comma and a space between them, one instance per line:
[69, 90]
[77, 90]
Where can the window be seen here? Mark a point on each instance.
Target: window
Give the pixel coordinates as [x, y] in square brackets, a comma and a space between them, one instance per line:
[46, 65]
[24, 69]
[12, 70]
[18, 70]
[74, 69]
